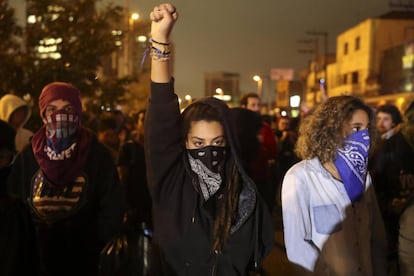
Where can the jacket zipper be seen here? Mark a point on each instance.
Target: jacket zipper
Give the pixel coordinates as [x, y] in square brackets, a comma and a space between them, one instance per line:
[214, 267]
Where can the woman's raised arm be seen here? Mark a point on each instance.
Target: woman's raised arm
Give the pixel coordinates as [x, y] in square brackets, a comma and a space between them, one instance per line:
[163, 18]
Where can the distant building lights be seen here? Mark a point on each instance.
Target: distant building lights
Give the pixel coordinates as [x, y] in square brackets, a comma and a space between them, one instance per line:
[55, 16]
[295, 101]
[294, 113]
[408, 61]
[31, 19]
[142, 38]
[135, 16]
[55, 55]
[27, 97]
[225, 98]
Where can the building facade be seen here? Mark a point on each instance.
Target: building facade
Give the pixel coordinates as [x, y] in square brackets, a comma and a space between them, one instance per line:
[373, 60]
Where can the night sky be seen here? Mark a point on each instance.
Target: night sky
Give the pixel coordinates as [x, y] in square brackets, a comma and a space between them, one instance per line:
[251, 36]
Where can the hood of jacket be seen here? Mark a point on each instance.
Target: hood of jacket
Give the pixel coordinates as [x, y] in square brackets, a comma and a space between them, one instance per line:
[9, 103]
[248, 196]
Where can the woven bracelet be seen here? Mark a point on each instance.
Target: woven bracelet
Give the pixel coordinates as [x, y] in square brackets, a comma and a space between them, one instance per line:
[160, 43]
[157, 54]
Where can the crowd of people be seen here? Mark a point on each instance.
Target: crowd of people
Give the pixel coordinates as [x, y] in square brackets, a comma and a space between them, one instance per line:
[205, 181]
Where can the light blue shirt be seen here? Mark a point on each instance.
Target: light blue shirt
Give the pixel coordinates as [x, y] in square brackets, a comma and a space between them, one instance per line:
[324, 232]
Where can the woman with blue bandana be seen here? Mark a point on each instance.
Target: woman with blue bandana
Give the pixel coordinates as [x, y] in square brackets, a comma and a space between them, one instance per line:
[332, 224]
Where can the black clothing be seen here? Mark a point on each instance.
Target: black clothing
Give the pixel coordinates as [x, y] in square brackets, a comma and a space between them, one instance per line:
[70, 242]
[392, 174]
[131, 162]
[18, 247]
[183, 222]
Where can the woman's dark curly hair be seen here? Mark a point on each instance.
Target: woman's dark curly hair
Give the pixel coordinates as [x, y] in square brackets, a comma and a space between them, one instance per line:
[322, 132]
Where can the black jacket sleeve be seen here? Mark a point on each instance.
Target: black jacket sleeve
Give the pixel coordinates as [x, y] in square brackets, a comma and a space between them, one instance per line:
[162, 137]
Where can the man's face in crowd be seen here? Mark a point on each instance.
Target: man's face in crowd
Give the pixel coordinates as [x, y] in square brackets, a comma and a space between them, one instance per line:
[253, 104]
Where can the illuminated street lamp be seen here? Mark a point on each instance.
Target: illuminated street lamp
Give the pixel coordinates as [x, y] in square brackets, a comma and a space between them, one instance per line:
[189, 99]
[128, 42]
[259, 81]
[221, 95]
[134, 16]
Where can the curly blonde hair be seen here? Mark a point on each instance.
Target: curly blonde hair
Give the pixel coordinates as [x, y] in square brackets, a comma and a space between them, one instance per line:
[322, 132]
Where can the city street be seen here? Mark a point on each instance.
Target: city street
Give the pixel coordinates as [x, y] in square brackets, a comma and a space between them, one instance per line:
[276, 263]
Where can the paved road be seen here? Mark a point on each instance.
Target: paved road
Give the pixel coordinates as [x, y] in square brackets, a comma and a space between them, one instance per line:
[276, 263]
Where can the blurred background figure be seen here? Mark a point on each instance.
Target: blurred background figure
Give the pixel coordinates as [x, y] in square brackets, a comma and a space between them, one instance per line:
[393, 177]
[248, 125]
[388, 120]
[107, 134]
[18, 246]
[16, 112]
[260, 167]
[132, 171]
[121, 126]
[286, 157]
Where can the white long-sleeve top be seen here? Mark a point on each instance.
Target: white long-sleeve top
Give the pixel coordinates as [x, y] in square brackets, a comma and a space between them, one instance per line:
[324, 232]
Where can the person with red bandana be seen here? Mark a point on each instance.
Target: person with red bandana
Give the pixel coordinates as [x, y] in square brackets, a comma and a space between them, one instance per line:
[70, 183]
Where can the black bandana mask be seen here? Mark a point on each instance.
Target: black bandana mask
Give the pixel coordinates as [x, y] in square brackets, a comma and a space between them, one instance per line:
[211, 156]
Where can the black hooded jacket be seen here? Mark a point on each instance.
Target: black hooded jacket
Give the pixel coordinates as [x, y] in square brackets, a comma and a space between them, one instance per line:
[183, 227]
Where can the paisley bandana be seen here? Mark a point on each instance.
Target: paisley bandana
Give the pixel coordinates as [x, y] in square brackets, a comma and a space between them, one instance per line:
[207, 163]
[351, 163]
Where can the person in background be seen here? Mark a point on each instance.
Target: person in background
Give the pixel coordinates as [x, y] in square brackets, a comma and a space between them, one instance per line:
[286, 156]
[388, 119]
[18, 246]
[106, 133]
[332, 223]
[248, 125]
[393, 177]
[388, 123]
[260, 167]
[71, 185]
[15, 111]
[208, 217]
[132, 171]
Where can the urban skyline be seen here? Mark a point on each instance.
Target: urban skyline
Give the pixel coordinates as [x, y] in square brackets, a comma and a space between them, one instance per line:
[253, 37]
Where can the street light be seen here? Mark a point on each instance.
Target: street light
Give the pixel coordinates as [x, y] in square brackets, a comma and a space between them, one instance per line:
[128, 48]
[134, 16]
[259, 81]
[221, 95]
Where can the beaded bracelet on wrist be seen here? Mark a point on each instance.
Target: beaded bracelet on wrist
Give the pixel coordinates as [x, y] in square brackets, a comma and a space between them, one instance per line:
[159, 55]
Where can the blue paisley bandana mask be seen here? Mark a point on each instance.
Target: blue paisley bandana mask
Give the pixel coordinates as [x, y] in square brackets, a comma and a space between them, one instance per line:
[351, 163]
